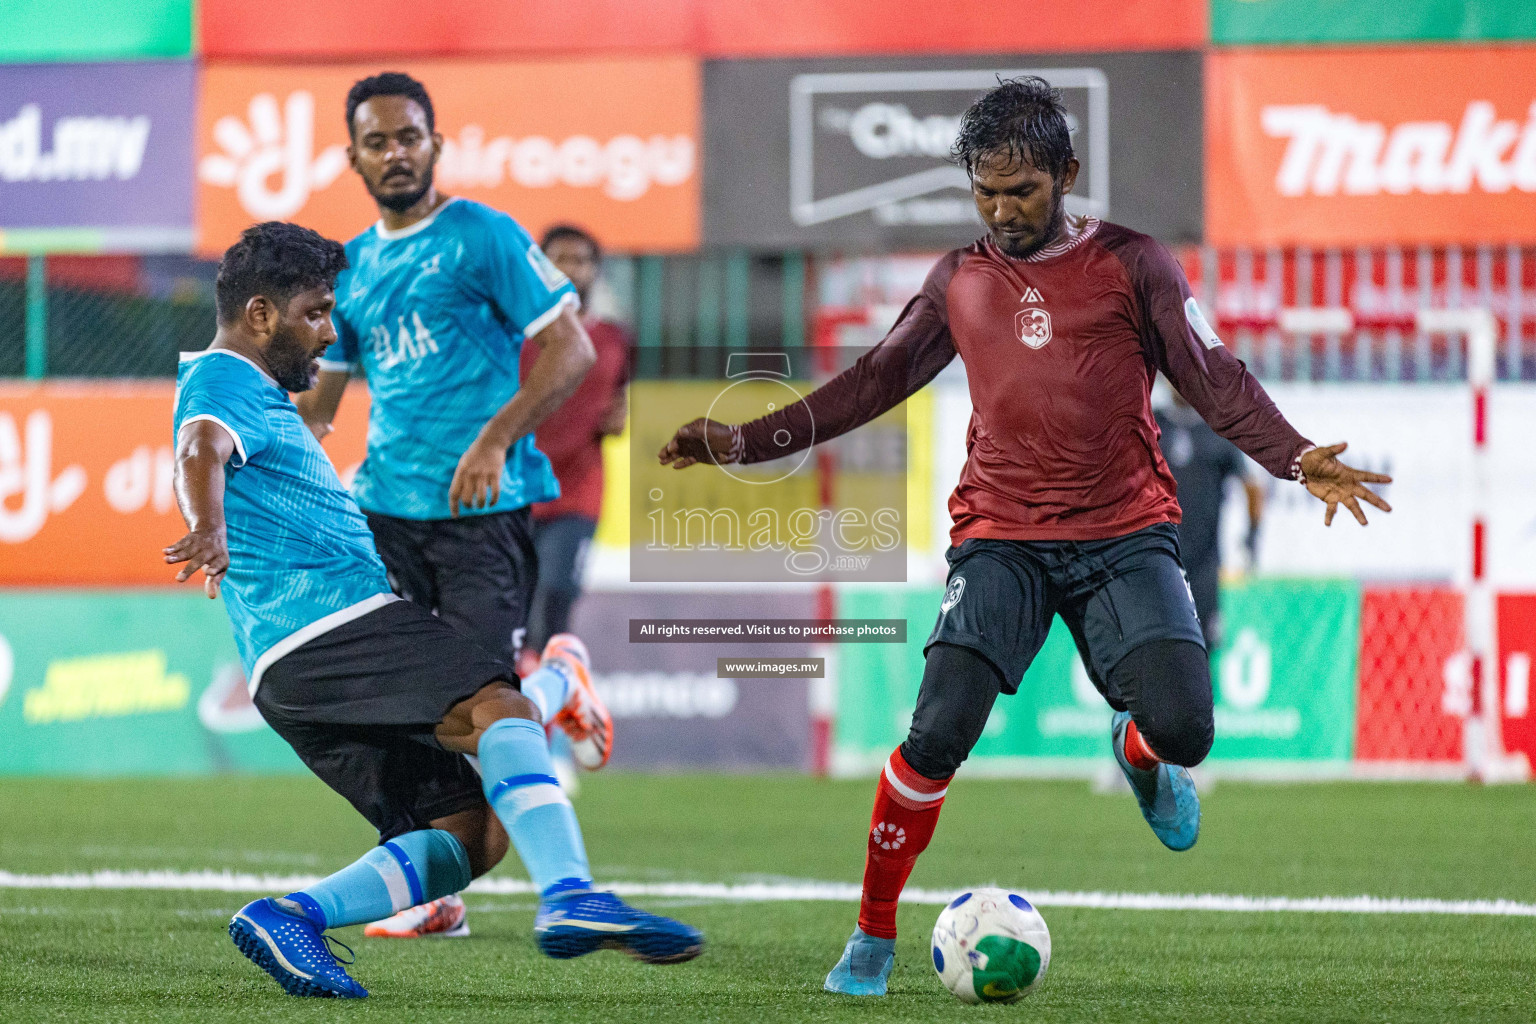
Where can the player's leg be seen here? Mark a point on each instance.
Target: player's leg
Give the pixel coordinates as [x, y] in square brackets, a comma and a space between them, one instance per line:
[1132, 615]
[500, 726]
[487, 568]
[993, 619]
[562, 544]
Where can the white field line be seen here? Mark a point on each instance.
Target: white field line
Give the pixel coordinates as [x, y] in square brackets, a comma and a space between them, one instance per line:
[801, 891]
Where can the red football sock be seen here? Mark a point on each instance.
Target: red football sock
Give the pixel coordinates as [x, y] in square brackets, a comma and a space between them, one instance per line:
[906, 811]
[1136, 750]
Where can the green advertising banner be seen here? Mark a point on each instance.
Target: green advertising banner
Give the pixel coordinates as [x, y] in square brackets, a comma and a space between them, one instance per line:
[126, 683]
[94, 29]
[1236, 22]
[1284, 681]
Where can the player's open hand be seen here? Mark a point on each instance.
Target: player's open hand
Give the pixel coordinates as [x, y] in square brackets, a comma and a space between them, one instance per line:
[703, 440]
[201, 549]
[477, 480]
[1335, 484]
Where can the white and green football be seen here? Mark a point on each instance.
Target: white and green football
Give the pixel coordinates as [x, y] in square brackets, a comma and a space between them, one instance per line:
[991, 946]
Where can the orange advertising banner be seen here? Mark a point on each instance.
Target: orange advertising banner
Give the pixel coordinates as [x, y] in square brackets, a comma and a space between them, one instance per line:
[85, 480]
[1338, 147]
[609, 144]
[289, 29]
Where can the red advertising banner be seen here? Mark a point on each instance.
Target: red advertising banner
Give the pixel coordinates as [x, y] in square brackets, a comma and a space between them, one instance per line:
[85, 480]
[1517, 648]
[284, 29]
[609, 144]
[1344, 147]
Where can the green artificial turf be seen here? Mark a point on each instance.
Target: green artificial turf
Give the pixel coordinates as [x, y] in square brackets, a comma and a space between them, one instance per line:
[108, 955]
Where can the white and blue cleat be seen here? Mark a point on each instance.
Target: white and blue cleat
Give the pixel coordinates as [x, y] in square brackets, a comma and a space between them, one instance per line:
[1167, 794]
[575, 920]
[865, 967]
[293, 950]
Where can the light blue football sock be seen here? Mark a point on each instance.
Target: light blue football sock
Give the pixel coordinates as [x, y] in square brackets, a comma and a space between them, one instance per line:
[520, 785]
[410, 869]
[549, 687]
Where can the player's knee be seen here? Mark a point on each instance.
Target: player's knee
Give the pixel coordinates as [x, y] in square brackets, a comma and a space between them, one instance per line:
[1182, 739]
[959, 687]
[504, 702]
[1167, 684]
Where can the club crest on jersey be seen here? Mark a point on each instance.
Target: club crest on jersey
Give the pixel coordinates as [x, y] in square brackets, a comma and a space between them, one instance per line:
[1033, 326]
[952, 593]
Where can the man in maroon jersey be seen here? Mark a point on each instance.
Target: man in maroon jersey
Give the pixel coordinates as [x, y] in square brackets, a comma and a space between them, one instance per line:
[572, 438]
[1065, 505]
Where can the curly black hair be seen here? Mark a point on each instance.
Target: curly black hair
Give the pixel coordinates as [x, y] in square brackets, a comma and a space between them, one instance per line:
[1023, 118]
[558, 231]
[389, 83]
[277, 260]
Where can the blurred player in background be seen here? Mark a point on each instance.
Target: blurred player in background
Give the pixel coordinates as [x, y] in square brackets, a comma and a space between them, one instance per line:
[1202, 461]
[441, 295]
[381, 699]
[572, 437]
[1065, 505]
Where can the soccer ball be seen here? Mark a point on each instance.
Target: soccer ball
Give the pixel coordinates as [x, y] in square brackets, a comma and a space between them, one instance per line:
[990, 946]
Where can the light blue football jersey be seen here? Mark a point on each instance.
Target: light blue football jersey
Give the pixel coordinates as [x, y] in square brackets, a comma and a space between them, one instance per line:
[436, 314]
[301, 557]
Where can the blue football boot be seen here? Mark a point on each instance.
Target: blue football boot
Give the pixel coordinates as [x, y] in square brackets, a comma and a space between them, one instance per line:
[1167, 795]
[289, 947]
[575, 920]
[865, 966]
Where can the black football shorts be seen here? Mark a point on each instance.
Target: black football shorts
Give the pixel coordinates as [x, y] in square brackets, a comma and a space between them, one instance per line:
[359, 704]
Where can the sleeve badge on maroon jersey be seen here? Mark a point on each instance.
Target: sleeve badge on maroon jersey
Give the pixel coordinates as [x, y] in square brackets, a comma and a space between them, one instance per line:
[1033, 326]
[1198, 324]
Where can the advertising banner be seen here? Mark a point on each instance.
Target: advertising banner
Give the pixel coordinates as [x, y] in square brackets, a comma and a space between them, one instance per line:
[289, 29]
[1349, 147]
[1284, 686]
[854, 153]
[1342, 21]
[96, 30]
[610, 144]
[671, 709]
[126, 683]
[1517, 646]
[85, 480]
[96, 156]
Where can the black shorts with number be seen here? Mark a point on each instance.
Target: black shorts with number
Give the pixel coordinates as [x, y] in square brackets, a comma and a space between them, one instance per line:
[359, 704]
[1114, 596]
[477, 573]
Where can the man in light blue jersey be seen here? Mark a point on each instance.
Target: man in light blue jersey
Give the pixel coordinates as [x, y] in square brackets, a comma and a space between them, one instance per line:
[381, 699]
[440, 297]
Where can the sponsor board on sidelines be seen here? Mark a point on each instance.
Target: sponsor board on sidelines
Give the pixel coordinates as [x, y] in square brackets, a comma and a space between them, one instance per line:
[612, 144]
[292, 29]
[1307, 21]
[138, 683]
[85, 480]
[96, 156]
[853, 152]
[1284, 685]
[97, 30]
[1348, 147]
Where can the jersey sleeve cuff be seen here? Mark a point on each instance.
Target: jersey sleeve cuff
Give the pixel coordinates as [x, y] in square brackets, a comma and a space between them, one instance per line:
[547, 317]
[231, 431]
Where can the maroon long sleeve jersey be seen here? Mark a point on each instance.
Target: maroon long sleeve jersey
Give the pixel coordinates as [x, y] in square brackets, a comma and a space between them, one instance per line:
[1061, 349]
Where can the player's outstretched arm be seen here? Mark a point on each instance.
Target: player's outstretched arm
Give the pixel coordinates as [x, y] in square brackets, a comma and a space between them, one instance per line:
[318, 405]
[1335, 484]
[201, 451]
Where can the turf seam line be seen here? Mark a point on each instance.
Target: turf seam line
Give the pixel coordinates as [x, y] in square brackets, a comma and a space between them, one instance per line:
[804, 891]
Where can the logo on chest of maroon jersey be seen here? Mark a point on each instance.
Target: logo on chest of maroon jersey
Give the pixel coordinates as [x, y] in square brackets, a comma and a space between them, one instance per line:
[1033, 324]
